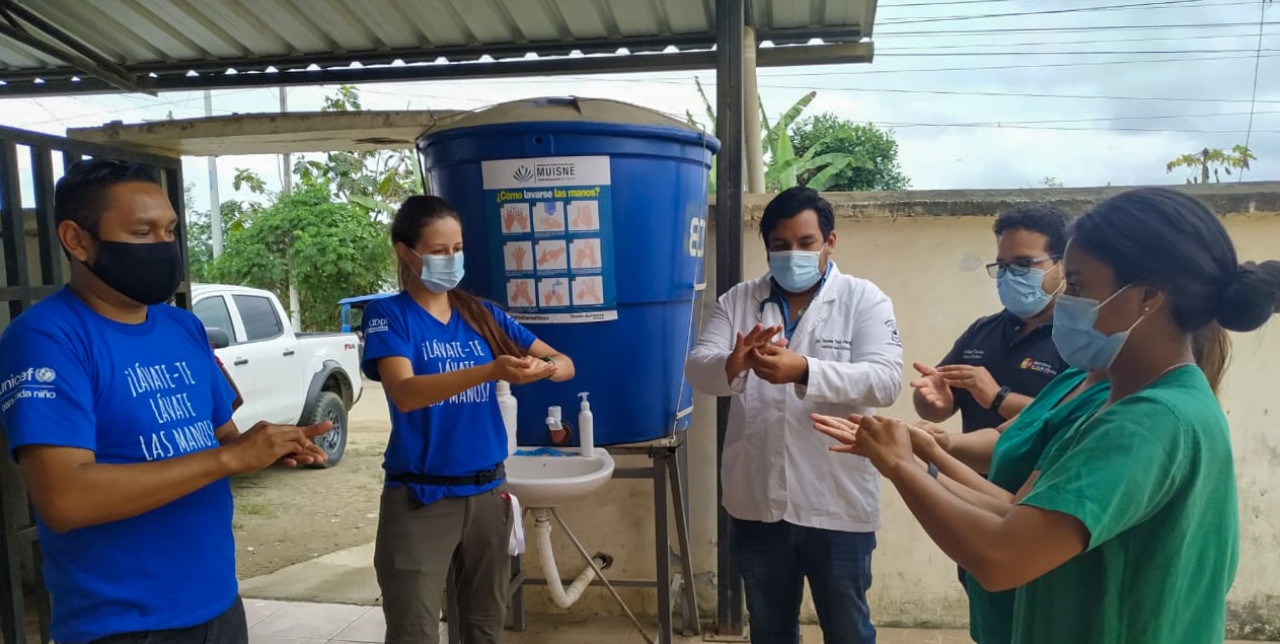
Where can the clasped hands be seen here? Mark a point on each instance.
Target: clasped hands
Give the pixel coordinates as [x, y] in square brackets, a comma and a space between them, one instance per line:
[769, 359]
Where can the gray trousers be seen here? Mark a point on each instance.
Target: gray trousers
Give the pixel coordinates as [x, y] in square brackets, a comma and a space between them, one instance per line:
[415, 546]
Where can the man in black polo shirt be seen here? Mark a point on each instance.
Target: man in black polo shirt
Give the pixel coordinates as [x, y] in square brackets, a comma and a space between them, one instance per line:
[1002, 361]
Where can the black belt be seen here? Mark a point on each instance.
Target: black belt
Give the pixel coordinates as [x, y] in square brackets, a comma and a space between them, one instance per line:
[479, 478]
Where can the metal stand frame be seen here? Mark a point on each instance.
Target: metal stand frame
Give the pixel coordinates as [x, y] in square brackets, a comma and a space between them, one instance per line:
[669, 468]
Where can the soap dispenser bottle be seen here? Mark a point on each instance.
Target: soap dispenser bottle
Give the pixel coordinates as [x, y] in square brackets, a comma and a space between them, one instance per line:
[507, 408]
[586, 427]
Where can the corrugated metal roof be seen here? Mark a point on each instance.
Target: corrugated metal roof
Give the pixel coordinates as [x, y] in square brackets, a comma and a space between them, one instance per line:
[150, 42]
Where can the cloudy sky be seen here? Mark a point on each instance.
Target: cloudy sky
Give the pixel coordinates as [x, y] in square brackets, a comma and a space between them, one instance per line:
[980, 93]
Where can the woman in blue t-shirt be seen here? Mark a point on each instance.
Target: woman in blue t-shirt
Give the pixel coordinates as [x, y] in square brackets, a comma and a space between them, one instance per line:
[438, 352]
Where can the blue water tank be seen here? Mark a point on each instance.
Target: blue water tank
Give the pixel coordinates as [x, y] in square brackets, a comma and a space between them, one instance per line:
[586, 220]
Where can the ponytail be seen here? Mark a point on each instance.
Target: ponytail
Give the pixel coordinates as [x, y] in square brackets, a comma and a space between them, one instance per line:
[1212, 349]
[475, 313]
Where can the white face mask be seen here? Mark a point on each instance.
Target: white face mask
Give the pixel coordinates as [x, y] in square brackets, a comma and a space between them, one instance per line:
[442, 273]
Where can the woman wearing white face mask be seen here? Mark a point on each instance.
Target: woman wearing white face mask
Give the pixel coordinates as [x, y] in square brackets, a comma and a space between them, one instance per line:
[437, 352]
[1130, 532]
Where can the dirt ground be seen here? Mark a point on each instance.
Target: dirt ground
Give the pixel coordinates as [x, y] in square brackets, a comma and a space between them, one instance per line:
[284, 517]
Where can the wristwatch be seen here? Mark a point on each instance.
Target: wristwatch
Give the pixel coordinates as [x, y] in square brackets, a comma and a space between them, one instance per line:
[999, 399]
[933, 470]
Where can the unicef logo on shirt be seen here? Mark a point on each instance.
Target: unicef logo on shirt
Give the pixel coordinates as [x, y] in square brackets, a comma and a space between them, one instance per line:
[45, 374]
[523, 174]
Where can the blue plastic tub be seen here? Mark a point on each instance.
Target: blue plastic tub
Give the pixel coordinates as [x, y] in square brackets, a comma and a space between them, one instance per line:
[586, 219]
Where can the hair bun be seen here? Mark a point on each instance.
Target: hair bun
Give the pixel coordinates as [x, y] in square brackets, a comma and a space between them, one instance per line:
[1251, 297]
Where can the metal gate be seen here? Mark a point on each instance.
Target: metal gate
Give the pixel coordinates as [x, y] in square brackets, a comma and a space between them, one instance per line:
[35, 267]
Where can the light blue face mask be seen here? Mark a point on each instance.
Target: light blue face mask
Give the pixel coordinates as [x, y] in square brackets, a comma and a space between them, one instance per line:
[1081, 345]
[442, 273]
[796, 271]
[1023, 295]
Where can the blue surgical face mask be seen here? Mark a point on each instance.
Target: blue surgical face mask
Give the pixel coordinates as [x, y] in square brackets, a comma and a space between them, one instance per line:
[1023, 295]
[796, 271]
[442, 273]
[1081, 345]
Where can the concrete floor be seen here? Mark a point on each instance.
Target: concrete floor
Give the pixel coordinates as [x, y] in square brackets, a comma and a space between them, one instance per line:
[275, 622]
[334, 599]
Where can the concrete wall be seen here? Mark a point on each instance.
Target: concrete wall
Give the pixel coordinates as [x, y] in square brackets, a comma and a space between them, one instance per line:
[927, 250]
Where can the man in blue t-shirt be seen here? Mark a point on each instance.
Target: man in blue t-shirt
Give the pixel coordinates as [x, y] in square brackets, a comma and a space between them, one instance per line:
[120, 420]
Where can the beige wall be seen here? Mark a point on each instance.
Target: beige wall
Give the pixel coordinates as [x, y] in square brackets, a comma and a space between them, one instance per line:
[932, 267]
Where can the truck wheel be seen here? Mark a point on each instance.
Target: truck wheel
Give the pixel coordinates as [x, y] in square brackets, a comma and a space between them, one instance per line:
[334, 443]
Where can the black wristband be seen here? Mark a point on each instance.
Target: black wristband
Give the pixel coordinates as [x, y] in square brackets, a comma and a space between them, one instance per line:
[999, 400]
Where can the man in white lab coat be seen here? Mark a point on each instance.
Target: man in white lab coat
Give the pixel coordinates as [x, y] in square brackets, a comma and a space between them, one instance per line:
[804, 339]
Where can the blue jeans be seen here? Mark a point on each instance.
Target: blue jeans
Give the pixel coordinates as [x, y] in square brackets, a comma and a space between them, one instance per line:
[775, 559]
[227, 628]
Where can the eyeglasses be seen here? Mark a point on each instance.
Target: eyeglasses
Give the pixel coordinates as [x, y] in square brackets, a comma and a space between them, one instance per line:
[1018, 268]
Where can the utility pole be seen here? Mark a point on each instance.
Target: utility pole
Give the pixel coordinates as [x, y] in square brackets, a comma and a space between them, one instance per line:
[215, 204]
[286, 183]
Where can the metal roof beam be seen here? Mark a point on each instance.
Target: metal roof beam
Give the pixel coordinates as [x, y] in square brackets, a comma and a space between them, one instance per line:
[510, 50]
[80, 56]
[847, 53]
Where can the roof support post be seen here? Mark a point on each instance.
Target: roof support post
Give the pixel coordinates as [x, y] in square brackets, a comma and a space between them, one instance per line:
[730, 23]
[751, 114]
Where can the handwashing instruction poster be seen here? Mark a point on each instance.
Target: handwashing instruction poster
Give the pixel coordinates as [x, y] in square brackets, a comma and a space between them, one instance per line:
[551, 230]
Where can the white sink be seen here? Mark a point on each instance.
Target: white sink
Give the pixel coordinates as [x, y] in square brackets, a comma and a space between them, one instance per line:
[549, 481]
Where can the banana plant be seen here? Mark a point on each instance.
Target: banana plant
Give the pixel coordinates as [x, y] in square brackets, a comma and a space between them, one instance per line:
[782, 167]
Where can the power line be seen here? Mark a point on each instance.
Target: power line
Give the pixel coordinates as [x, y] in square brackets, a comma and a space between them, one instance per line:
[1085, 28]
[131, 109]
[1095, 63]
[894, 90]
[891, 124]
[916, 53]
[1047, 43]
[1161, 4]
[1001, 123]
[1253, 100]
[885, 90]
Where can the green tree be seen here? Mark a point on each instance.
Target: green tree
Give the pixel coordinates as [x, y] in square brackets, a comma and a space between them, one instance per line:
[375, 181]
[199, 236]
[330, 249]
[873, 153]
[1212, 161]
[786, 167]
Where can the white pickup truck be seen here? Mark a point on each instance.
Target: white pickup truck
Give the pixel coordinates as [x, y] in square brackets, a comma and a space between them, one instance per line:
[284, 377]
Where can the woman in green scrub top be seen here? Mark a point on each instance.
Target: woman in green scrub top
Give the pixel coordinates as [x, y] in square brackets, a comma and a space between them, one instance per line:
[1129, 532]
[1015, 455]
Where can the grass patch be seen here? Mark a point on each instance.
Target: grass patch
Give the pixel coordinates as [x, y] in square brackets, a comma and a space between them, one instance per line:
[252, 508]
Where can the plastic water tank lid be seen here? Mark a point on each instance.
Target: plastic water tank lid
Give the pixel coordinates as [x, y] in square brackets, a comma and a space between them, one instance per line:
[563, 109]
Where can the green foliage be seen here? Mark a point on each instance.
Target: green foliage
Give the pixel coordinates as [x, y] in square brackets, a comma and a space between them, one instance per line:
[786, 167]
[1215, 161]
[824, 152]
[868, 156]
[330, 250]
[246, 178]
[235, 216]
[377, 182]
[1051, 182]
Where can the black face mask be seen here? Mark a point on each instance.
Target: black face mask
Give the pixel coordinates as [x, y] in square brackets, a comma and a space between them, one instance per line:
[145, 273]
